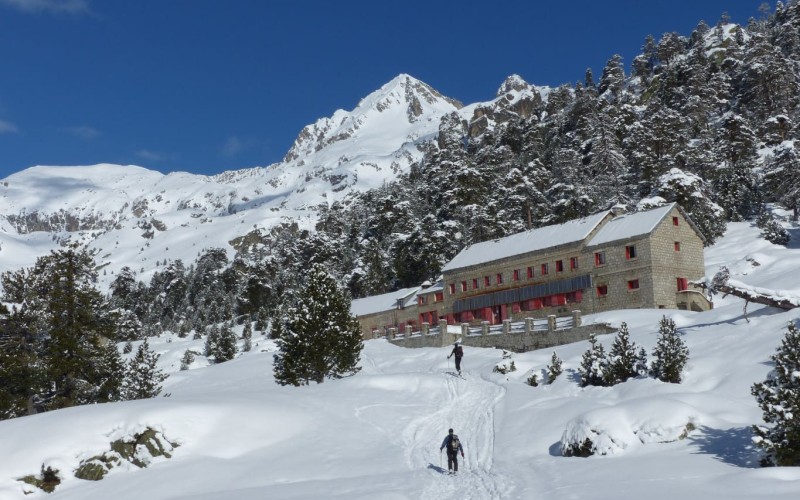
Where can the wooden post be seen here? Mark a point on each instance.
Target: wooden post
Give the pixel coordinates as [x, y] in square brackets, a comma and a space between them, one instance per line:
[551, 322]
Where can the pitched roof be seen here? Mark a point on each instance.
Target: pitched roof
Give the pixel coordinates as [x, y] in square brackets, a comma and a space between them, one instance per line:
[630, 225]
[528, 241]
[381, 303]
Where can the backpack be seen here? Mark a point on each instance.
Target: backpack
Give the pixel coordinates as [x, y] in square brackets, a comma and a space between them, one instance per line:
[454, 443]
[459, 351]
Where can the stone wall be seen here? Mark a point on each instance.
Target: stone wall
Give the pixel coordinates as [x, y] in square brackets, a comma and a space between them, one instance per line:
[516, 337]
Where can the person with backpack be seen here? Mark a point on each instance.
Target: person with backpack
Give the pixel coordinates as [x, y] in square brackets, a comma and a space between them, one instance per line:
[458, 352]
[453, 445]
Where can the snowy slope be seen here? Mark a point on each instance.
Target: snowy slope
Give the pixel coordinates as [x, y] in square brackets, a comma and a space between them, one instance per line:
[110, 207]
[376, 435]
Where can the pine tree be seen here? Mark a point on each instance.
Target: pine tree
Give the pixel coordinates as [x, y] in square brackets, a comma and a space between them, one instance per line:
[212, 339]
[771, 229]
[670, 353]
[143, 379]
[320, 338]
[779, 399]
[554, 368]
[622, 357]
[187, 359]
[111, 374]
[68, 318]
[247, 335]
[20, 371]
[641, 363]
[225, 349]
[593, 364]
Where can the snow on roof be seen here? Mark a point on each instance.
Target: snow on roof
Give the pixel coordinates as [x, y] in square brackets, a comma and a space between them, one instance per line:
[380, 303]
[630, 225]
[526, 242]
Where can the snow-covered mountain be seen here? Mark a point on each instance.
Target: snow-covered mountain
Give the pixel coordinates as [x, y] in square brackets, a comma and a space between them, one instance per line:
[135, 217]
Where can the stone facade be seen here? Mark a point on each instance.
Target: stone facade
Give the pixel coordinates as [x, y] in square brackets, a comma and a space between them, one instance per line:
[604, 262]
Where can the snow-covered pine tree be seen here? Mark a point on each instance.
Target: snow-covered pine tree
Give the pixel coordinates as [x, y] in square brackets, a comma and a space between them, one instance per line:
[641, 363]
[247, 335]
[771, 229]
[111, 374]
[143, 378]
[593, 363]
[779, 399]
[670, 353]
[320, 338]
[554, 368]
[225, 349]
[622, 357]
[212, 339]
[187, 359]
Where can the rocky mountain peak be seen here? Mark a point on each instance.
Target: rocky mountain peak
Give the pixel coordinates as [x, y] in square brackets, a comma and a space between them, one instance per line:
[513, 83]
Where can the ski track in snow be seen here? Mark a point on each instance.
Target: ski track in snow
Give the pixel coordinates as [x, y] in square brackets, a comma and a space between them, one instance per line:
[467, 407]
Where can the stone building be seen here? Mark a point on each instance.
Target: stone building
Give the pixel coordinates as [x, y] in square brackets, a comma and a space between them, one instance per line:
[609, 260]
[378, 313]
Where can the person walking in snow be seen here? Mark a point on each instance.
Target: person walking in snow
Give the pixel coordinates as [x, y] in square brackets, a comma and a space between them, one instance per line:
[453, 445]
[458, 352]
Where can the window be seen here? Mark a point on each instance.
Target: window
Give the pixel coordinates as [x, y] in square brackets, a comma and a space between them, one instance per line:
[602, 290]
[452, 288]
[474, 283]
[559, 266]
[463, 286]
[421, 300]
[516, 274]
[499, 278]
[486, 281]
[630, 252]
[675, 221]
[599, 259]
[530, 272]
[438, 297]
[575, 297]
[544, 269]
[633, 285]
[573, 263]
[683, 284]
[677, 246]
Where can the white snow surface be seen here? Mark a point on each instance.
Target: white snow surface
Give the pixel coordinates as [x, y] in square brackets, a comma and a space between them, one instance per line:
[380, 303]
[376, 435]
[630, 225]
[526, 241]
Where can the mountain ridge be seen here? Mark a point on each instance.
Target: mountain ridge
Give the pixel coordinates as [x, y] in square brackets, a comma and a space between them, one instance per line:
[348, 151]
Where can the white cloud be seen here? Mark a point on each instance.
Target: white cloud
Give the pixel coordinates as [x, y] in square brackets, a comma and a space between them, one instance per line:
[233, 146]
[83, 132]
[56, 6]
[7, 127]
[149, 155]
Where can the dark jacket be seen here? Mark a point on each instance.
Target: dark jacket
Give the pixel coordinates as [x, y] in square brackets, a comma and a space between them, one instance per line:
[457, 351]
[446, 444]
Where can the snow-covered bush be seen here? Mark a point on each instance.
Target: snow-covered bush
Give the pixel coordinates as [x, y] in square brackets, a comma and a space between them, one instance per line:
[611, 431]
[779, 398]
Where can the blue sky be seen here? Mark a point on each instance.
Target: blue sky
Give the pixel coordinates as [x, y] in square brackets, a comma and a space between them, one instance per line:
[206, 86]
